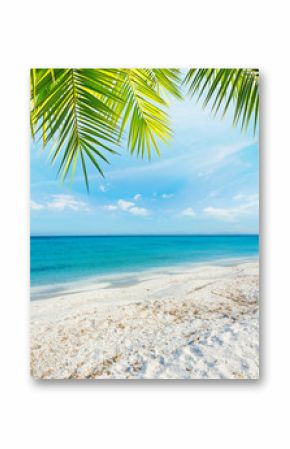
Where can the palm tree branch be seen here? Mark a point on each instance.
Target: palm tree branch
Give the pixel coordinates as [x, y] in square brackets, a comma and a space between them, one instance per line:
[221, 87]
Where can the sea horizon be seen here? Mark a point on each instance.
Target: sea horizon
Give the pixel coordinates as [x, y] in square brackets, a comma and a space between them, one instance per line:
[147, 235]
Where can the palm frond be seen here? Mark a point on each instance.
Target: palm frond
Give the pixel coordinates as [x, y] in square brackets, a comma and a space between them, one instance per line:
[143, 113]
[66, 108]
[221, 87]
[168, 81]
[85, 112]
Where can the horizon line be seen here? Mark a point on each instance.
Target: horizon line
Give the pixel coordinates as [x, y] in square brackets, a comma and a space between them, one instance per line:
[148, 235]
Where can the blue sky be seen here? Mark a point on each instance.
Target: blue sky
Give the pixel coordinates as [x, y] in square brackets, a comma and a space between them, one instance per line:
[205, 181]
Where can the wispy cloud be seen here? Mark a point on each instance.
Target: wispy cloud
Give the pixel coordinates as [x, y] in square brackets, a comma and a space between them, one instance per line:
[244, 197]
[193, 161]
[61, 202]
[110, 207]
[219, 155]
[129, 207]
[125, 205]
[36, 206]
[139, 211]
[223, 213]
[223, 151]
[188, 212]
[231, 213]
[137, 197]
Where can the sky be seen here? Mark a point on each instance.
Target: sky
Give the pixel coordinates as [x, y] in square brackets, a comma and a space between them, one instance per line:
[205, 182]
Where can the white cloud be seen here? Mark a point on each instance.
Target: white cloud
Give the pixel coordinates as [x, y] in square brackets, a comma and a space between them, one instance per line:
[36, 206]
[188, 212]
[110, 207]
[249, 207]
[129, 207]
[137, 197]
[217, 212]
[125, 205]
[139, 211]
[251, 197]
[167, 195]
[61, 202]
[102, 188]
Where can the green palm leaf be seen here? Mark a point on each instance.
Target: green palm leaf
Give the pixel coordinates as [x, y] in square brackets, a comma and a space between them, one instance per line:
[221, 87]
[144, 106]
[85, 112]
[66, 108]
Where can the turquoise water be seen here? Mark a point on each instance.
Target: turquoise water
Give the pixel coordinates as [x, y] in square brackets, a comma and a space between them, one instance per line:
[60, 260]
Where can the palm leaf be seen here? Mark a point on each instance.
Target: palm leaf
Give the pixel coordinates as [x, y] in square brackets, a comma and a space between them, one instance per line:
[143, 113]
[67, 109]
[221, 87]
[85, 112]
[142, 107]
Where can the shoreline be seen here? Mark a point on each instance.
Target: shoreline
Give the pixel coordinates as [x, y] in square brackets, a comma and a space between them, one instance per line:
[126, 278]
[197, 324]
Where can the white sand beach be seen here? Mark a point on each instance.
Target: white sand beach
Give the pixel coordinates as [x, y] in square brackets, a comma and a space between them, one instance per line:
[194, 323]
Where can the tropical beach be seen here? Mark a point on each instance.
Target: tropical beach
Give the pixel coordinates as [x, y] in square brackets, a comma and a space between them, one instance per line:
[145, 264]
[195, 323]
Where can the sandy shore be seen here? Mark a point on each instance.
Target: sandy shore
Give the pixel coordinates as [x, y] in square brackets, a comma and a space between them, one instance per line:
[197, 324]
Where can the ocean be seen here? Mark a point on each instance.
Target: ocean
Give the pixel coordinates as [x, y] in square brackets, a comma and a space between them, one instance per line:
[58, 261]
